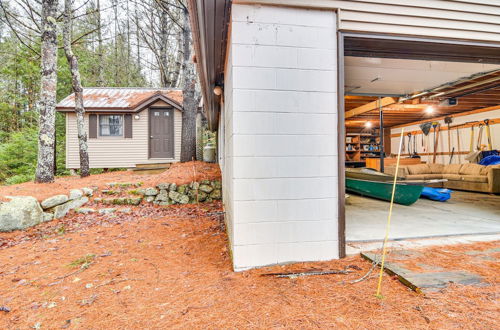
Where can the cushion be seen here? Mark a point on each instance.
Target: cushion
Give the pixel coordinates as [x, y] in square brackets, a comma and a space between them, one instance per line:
[452, 177]
[418, 169]
[415, 177]
[451, 168]
[471, 169]
[475, 178]
[485, 169]
[433, 176]
[436, 168]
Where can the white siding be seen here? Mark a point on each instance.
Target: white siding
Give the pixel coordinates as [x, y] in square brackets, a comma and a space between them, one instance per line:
[443, 138]
[280, 163]
[119, 152]
[470, 20]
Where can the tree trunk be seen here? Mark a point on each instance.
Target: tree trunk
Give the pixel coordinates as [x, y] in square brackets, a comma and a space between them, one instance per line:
[190, 104]
[100, 55]
[48, 89]
[77, 88]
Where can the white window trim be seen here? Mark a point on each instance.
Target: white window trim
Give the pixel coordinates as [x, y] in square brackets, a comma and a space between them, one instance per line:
[117, 137]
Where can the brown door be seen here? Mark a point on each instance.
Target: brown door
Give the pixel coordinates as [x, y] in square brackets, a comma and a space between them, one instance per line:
[161, 131]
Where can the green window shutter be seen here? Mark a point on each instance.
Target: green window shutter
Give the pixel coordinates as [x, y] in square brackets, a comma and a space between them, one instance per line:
[92, 126]
[128, 126]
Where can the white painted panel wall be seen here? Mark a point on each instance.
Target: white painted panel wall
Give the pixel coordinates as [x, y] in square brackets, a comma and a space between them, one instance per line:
[452, 19]
[464, 134]
[118, 152]
[280, 122]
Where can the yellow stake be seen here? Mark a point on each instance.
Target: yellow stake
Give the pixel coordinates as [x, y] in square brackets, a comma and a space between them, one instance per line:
[384, 246]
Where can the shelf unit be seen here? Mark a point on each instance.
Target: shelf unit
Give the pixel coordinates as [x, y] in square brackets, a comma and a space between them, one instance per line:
[359, 146]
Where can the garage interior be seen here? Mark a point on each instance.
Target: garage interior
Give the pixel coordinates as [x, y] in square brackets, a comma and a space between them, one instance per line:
[454, 91]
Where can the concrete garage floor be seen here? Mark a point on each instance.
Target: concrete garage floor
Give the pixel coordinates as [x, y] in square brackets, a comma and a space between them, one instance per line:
[468, 214]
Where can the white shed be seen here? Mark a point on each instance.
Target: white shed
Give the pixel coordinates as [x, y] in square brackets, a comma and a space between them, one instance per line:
[126, 127]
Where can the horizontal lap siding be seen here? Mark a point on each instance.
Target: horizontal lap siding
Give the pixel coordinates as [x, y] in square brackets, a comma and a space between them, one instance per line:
[470, 20]
[118, 152]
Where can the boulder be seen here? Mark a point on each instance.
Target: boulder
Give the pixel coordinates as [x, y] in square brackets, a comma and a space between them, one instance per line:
[216, 194]
[182, 189]
[107, 211]
[217, 184]
[162, 197]
[172, 187]
[150, 192]
[202, 196]
[163, 186]
[178, 198]
[84, 210]
[87, 191]
[134, 201]
[47, 216]
[19, 213]
[63, 209]
[54, 201]
[75, 193]
[149, 199]
[194, 185]
[206, 188]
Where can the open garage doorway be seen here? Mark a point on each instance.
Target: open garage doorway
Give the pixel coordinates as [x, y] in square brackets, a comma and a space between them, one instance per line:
[446, 97]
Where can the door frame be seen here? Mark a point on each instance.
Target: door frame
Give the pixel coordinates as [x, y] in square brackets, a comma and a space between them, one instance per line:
[172, 110]
[461, 53]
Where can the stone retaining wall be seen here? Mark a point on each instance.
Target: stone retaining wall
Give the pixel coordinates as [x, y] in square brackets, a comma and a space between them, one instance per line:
[22, 212]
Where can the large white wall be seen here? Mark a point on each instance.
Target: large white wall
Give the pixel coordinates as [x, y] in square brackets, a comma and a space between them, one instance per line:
[280, 124]
[464, 134]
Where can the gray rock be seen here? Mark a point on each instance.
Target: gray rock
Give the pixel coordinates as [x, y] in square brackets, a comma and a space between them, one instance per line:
[194, 185]
[54, 201]
[47, 216]
[87, 191]
[75, 193]
[206, 182]
[149, 199]
[202, 196]
[206, 188]
[217, 184]
[150, 192]
[84, 210]
[126, 210]
[134, 201]
[172, 187]
[63, 209]
[162, 197]
[19, 213]
[163, 203]
[107, 211]
[178, 198]
[216, 194]
[98, 199]
[163, 186]
[182, 189]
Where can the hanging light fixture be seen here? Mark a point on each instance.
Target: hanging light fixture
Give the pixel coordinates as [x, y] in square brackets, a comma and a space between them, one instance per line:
[429, 110]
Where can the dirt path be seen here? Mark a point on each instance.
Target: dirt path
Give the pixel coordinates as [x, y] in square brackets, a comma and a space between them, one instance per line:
[170, 268]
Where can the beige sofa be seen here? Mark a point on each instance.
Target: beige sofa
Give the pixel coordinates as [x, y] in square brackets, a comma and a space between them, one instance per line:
[470, 177]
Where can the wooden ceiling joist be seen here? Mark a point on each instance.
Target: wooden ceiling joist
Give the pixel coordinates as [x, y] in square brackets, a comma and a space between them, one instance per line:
[370, 106]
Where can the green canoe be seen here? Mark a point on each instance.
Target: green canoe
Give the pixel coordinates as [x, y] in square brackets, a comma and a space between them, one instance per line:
[405, 194]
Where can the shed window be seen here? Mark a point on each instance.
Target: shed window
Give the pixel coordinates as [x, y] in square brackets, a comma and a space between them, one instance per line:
[111, 125]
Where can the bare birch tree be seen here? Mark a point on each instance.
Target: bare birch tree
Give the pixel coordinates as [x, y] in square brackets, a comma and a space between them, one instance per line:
[77, 88]
[48, 89]
[190, 101]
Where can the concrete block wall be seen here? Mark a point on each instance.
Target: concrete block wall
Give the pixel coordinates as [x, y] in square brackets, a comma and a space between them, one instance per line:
[280, 117]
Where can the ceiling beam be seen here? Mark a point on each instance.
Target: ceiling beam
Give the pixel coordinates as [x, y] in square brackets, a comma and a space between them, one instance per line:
[370, 106]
